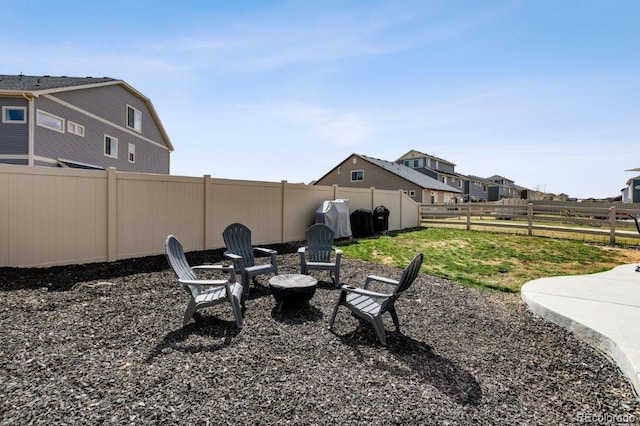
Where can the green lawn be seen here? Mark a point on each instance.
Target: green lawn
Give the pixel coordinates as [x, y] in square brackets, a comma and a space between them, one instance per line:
[480, 259]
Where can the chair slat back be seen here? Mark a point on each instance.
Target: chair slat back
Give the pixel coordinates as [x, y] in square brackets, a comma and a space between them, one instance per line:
[237, 239]
[319, 242]
[176, 258]
[409, 274]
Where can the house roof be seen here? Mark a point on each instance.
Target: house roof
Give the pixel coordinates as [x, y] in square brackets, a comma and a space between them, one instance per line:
[409, 174]
[498, 177]
[41, 85]
[416, 153]
[480, 179]
[32, 83]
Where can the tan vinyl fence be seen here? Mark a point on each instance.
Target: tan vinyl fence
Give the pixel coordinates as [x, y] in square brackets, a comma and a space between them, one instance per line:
[54, 216]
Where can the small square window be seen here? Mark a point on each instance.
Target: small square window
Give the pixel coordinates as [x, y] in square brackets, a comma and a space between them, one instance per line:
[134, 119]
[75, 128]
[412, 193]
[132, 153]
[17, 115]
[357, 175]
[110, 146]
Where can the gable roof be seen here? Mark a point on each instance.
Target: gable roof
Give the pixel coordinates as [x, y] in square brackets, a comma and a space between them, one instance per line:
[407, 173]
[42, 85]
[415, 153]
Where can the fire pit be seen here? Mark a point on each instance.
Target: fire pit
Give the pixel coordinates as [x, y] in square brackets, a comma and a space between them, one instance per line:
[292, 288]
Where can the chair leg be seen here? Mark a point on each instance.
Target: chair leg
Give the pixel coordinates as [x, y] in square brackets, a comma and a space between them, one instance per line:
[191, 309]
[245, 283]
[394, 316]
[341, 300]
[336, 278]
[237, 312]
[377, 324]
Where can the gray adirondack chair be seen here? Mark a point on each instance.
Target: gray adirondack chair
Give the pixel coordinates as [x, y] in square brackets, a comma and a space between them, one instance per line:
[204, 293]
[237, 239]
[316, 255]
[370, 305]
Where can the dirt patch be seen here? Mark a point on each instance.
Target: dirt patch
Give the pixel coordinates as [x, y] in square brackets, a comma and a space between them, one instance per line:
[628, 255]
[109, 347]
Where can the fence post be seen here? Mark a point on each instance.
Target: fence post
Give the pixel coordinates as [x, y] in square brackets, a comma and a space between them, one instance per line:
[112, 213]
[469, 216]
[282, 211]
[612, 224]
[373, 198]
[530, 219]
[206, 180]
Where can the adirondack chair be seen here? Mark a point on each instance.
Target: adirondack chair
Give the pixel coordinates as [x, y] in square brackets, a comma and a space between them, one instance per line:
[316, 255]
[204, 293]
[370, 305]
[237, 238]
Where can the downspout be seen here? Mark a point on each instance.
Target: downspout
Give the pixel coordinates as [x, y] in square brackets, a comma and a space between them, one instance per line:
[31, 137]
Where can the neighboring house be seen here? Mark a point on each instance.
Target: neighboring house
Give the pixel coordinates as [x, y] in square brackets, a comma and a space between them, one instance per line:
[360, 171]
[631, 192]
[505, 188]
[80, 122]
[476, 188]
[473, 188]
[438, 168]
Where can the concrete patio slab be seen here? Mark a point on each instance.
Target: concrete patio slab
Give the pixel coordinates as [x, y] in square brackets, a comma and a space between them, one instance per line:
[603, 309]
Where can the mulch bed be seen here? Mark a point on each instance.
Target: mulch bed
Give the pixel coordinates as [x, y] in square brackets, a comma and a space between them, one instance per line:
[104, 343]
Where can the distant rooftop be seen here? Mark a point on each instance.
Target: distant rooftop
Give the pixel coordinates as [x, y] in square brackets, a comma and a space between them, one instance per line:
[409, 174]
[31, 83]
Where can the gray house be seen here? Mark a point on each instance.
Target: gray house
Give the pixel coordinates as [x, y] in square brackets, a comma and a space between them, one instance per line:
[360, 171]
[82, 122]
[505, 188]
[473, 188]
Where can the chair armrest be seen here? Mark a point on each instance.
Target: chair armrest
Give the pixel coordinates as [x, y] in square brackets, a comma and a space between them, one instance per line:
[372, 278]
[271, 252]
[337, 250]
[224, 268]
[238, 261]
[265, 250]
[364, 292]
[302, 250]
[203, 282]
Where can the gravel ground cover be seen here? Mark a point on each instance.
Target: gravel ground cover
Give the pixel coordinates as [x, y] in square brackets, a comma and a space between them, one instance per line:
[103, 344]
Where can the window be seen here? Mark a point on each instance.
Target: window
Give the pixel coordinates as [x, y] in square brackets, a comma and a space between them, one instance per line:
[132, 153]
[110, 146]
[357, 175]
[50, 121]
[412, 193]
[75, 128]
[415, 163]
[134, 119]
[16, 115]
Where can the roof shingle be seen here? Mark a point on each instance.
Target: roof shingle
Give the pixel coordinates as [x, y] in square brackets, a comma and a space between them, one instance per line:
[32, 83]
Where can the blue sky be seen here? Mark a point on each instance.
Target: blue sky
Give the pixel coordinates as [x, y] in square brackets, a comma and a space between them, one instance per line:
[546, 93]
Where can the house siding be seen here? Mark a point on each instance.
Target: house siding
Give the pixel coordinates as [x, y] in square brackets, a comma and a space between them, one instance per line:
[14, 137]
[110, 103]
[374, 176]
[89, 149]
[473, 190]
